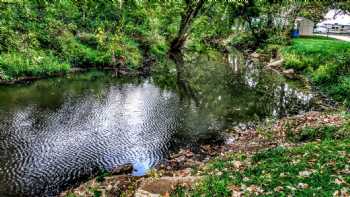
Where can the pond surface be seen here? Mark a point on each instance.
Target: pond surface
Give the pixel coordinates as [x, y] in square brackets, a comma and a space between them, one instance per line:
[57, 132]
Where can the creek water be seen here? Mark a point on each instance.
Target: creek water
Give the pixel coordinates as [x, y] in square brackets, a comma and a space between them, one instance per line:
[55, 133]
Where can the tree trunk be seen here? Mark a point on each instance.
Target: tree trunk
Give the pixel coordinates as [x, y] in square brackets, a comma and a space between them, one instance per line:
[186, 21]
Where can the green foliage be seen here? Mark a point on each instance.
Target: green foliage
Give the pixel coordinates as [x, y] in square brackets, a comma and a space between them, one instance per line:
[81, 55]
[243, 41]
[95, 192]
[71, 195]
[101, 175]
[339, 90]
[82, 33]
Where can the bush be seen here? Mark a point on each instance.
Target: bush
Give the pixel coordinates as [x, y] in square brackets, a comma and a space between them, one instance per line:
[325, 73]
[79, 54]
[128, 49]
[322, 132]
[278, 39]
[159, 49]
[88, 39]
[243, 41]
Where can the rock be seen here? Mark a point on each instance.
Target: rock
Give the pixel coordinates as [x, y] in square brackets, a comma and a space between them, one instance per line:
[180, 159]
[163, 185]
[124, 169]
[189, 154]
[276, 64]
[255, 55]
[176, 155]
[289, 73]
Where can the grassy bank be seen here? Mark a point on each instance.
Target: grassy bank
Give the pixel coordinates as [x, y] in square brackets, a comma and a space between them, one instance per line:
[326, 61]
[318, 166]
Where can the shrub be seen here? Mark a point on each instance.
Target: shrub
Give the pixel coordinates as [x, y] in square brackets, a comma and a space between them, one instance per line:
[278, 39]
[243, 41]
[88, 39]
[294, 61]
[79, 54]
[325, 73]
[324, 132]
[340, 91]
[159, 49]
[128, 49]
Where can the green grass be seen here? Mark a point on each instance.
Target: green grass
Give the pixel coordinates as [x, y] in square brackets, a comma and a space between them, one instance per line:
[325, 132]
[317, 168]
[30, 63]
[326, 61]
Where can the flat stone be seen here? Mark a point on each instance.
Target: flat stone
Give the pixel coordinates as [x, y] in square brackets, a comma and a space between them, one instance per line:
[275, 64]
[163, 185]
[124, 169]
[290, 73]
[255, 55]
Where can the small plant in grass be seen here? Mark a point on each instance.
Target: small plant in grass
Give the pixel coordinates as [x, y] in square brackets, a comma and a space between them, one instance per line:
[95, 192]
[101, 175]
[71, 195]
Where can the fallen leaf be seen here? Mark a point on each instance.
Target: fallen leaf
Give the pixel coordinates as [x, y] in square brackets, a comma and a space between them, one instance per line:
[303, 186]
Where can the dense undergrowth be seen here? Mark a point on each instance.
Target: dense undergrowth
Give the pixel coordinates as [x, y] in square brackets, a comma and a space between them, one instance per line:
[326, 61]
[40, 37]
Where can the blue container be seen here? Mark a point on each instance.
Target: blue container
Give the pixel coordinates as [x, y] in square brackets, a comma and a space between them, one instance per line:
[295, 33]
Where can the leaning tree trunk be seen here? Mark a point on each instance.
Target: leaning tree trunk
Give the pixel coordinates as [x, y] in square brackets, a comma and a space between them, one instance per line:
[186, 22]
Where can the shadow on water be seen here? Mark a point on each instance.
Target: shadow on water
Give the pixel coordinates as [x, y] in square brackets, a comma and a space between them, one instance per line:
[184, 87]
[57, 132]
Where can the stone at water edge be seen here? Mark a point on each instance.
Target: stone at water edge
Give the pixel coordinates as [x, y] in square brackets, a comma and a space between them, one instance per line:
[164, 185]
[124, 169]
[289, 73]
[255, 55]
[276, 64]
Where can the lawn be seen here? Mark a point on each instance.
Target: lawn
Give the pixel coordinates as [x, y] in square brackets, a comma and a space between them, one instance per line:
[325, 61]
[317, 168]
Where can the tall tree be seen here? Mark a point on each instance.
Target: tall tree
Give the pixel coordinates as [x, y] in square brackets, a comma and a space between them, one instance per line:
[193, 8]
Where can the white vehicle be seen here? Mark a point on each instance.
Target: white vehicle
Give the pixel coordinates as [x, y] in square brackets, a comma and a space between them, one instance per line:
[321, 30]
